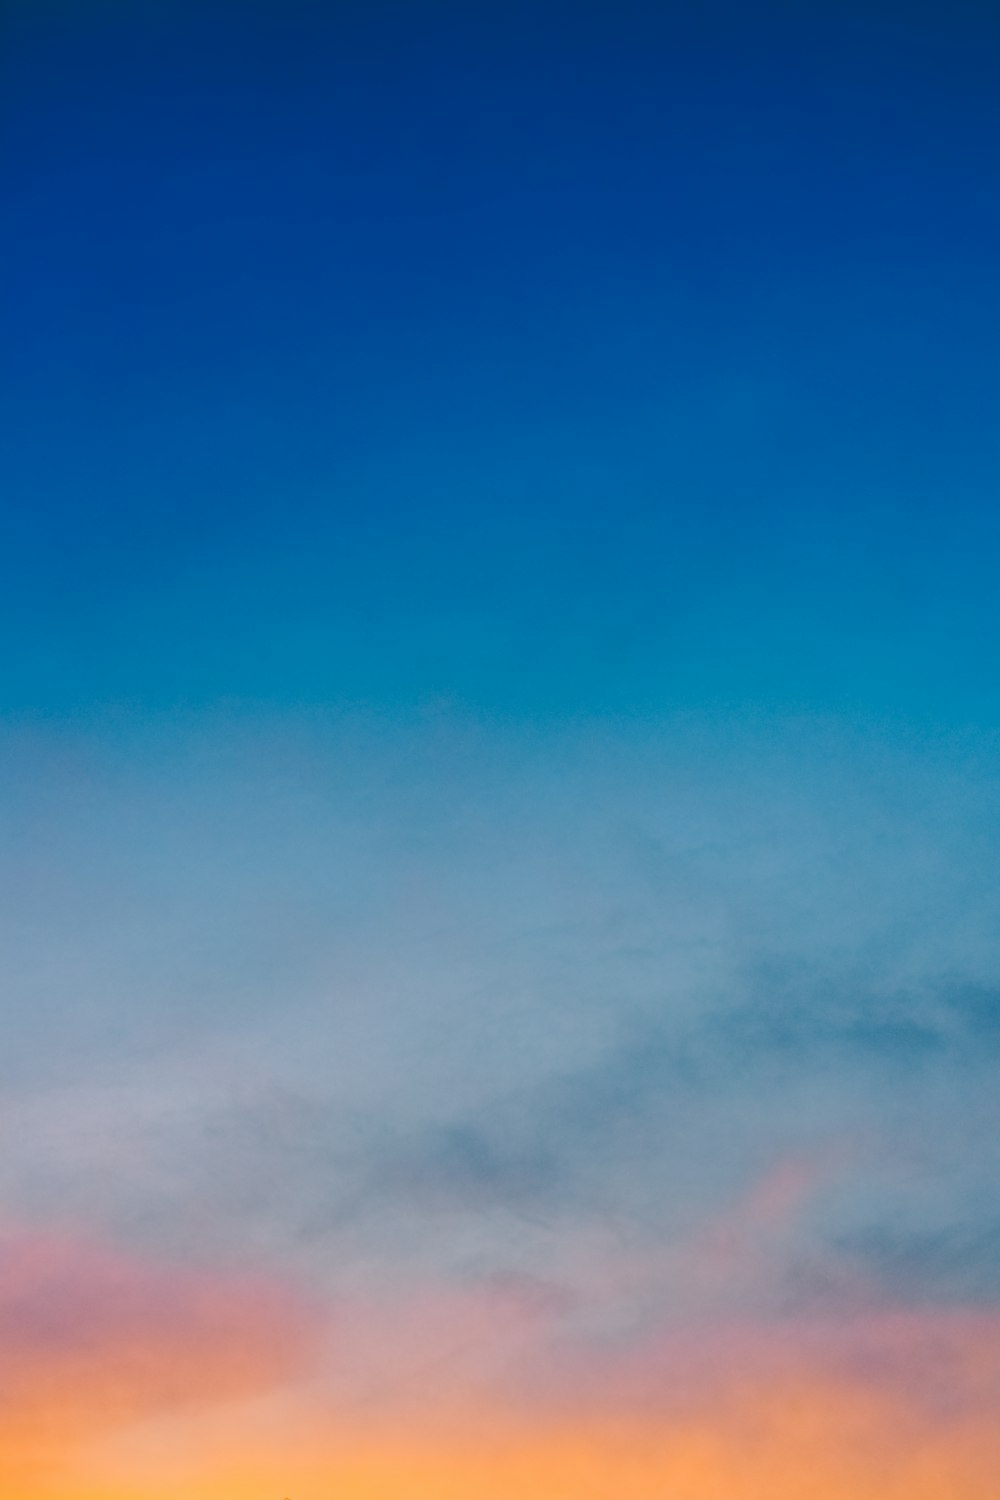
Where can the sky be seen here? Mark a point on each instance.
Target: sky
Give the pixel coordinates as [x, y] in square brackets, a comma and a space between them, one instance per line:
[499, 750]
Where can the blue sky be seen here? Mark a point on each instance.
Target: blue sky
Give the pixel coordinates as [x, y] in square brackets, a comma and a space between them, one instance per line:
[499, 719]
[544, 360]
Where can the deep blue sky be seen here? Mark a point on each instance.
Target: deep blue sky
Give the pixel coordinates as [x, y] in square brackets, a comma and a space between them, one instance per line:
[537, 358]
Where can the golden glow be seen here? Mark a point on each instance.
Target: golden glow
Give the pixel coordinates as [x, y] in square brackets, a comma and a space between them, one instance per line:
[124, 1380]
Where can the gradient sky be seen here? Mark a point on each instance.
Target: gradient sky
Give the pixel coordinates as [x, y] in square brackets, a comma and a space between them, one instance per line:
[499, 897]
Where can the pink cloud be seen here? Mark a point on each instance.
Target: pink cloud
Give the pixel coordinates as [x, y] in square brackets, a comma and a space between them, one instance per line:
[92, 1337]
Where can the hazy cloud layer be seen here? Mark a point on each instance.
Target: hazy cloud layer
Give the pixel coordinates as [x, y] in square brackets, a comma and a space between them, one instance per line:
[450, 1000]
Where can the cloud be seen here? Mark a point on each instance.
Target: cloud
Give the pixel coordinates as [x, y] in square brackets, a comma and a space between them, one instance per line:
[956, 1263]
[92, 1338]
[444, 1005]
[891, 1407]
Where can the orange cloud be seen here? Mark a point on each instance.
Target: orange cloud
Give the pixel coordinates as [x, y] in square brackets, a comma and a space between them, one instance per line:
[889, 1407]
[137, 1381]
[780, 1443]
[92, 1338]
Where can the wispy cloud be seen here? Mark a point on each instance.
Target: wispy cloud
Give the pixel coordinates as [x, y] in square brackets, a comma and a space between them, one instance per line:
[93, 1339]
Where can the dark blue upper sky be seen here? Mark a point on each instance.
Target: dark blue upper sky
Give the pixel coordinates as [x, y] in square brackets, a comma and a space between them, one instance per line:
[538, 358]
